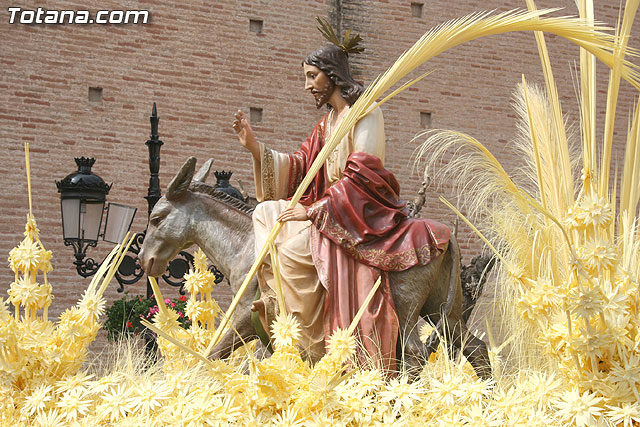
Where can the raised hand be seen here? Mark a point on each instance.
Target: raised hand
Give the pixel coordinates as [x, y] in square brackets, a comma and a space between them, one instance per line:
[245, 134]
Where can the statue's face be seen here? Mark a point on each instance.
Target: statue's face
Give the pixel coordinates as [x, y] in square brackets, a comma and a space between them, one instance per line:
[318, 83]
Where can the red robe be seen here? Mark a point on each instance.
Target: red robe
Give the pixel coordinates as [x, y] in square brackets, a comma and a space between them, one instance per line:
[361, 231]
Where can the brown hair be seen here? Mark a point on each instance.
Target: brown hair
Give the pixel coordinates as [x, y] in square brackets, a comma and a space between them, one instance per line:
[334, 62]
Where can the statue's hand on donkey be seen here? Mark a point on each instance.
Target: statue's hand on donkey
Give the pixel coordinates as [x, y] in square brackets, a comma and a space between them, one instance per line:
[193, 212]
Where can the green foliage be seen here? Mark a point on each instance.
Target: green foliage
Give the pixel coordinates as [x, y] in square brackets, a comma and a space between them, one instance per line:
[124, 315]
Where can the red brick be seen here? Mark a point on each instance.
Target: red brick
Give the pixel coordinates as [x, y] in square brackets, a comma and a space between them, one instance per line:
[200, 63]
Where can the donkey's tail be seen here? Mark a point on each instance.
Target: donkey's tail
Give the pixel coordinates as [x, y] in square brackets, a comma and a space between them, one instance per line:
[418, 202]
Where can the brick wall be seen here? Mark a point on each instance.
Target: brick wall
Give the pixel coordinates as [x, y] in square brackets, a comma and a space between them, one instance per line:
[199, 61]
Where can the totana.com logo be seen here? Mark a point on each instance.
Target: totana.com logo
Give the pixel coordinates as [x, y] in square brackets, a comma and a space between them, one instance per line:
[48, 16]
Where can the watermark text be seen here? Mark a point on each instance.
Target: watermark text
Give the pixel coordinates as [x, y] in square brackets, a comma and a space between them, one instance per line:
[18, 15]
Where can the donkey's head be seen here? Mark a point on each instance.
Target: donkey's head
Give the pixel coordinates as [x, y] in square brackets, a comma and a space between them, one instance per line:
[171, 221]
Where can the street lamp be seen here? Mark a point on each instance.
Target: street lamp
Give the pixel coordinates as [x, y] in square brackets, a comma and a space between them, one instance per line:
[82, 199]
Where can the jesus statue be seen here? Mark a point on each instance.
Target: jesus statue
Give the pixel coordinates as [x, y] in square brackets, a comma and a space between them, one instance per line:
[348, 229]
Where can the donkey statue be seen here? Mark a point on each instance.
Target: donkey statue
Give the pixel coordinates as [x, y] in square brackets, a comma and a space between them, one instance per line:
[193, 212]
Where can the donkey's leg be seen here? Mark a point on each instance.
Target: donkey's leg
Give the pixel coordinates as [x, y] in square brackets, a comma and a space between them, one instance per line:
[241, 323]
[410, 290]
[473, 348]
[411, 352]
[452, 326]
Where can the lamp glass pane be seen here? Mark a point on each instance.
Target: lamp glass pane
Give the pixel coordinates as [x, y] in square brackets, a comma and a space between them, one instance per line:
[119, 219]
[70, 218]
[91, 219]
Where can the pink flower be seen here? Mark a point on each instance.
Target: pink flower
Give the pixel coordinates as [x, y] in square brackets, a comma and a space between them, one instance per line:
[173, 304]
[180, 314]
[167, 300]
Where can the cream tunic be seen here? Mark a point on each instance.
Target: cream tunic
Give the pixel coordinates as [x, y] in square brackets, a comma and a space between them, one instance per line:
[303, 292]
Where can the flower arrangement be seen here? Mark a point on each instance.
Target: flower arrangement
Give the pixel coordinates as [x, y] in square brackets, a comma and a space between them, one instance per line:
[570, 276]
[124, 315]
[569, 248]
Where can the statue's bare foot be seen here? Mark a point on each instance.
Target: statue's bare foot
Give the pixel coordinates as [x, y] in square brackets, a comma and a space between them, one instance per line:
[258, 305]
[266, 306]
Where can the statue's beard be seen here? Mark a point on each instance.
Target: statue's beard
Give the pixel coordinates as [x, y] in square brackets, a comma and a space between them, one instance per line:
[322, 96]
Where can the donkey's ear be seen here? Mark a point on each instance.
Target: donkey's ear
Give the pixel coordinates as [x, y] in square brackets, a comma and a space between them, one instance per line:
[203, 172]
[180, 183]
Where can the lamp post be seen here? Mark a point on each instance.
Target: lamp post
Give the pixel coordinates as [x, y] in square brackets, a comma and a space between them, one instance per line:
[83, 196]
[130, 271]
[154, 144]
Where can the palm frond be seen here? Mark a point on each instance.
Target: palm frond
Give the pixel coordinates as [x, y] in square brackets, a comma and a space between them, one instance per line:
[541, 144]
[349, 43]
[588, 101]
[456, 32]
[432, 43]
[630, 192]
[620, 51]
[562, 163]
[327, 31]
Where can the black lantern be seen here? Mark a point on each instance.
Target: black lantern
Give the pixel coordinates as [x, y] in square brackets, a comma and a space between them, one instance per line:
[82, 200]
[222, 184]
